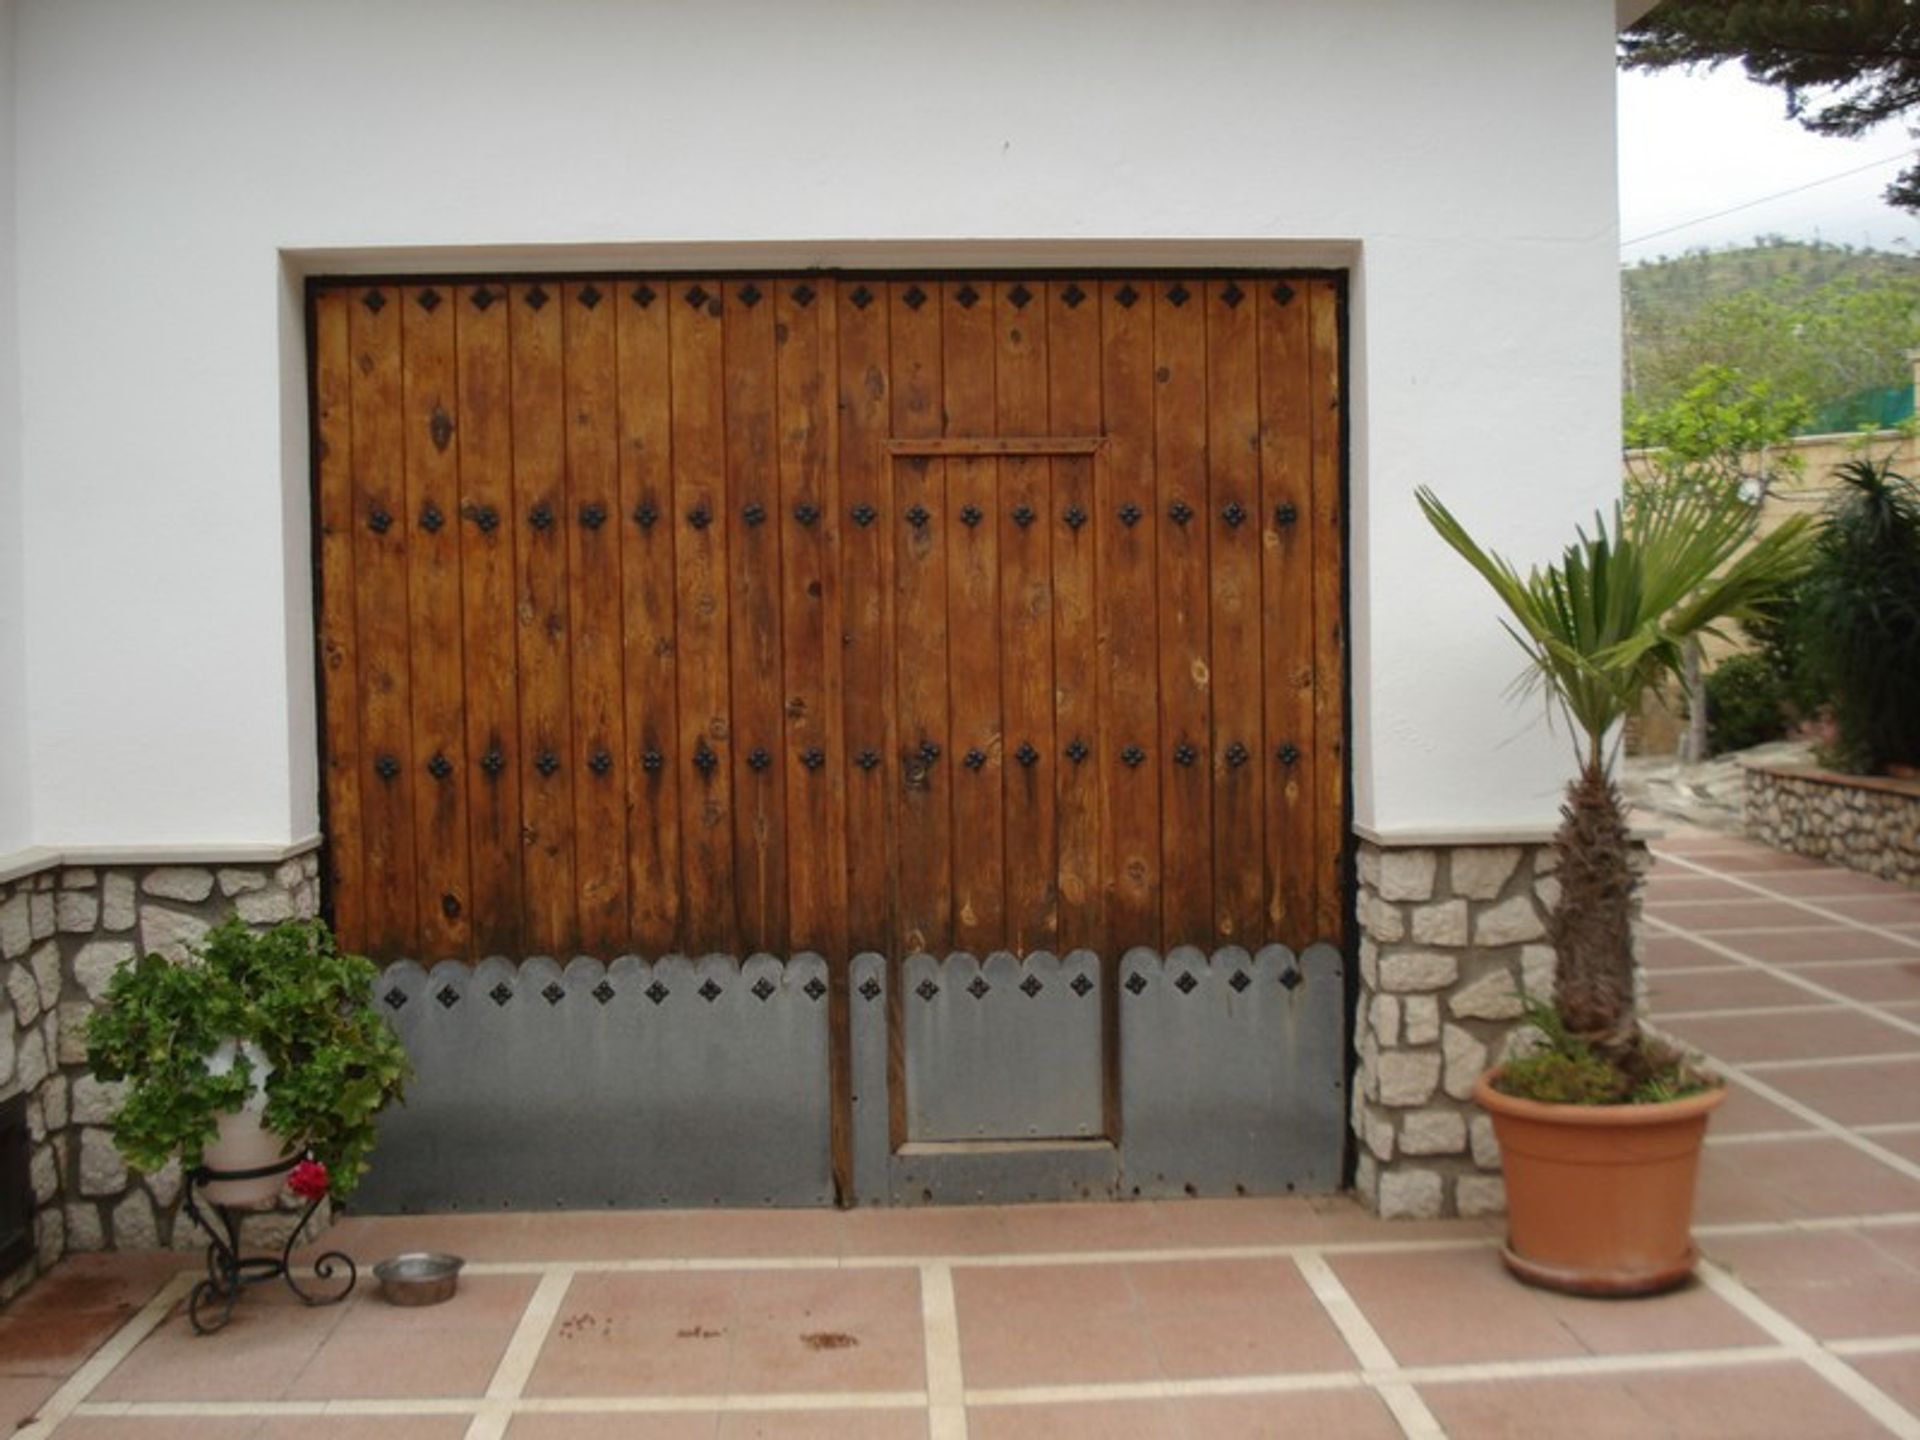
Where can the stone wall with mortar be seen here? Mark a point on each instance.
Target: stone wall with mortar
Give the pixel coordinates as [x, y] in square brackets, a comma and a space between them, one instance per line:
[1453, 941]
[1865, 822]
[64, 930]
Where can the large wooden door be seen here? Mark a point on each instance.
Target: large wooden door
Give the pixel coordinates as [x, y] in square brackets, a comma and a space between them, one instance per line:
[838, 613]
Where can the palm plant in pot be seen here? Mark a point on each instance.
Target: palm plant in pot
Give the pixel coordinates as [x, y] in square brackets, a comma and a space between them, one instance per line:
[1600, 1127]
[260, 1048]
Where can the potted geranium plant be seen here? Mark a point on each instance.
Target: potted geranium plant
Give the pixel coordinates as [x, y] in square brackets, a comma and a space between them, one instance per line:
[1600, 1127]
[260, 1047]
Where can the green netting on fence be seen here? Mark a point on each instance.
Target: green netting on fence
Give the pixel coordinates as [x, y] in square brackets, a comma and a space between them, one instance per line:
[1878, 409]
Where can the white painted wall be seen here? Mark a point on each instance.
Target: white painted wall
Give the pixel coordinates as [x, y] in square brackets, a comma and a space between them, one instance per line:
[181, 165]
[16, 822]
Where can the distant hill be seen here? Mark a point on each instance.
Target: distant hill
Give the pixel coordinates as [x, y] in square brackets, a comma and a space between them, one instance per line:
[1831, 323]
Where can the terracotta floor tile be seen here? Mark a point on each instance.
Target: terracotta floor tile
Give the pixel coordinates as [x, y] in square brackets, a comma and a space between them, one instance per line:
[195, 1427]
[933, 1230]
[1685, 886]
[1746, 1402]
[640, 1334]
[1736, 988]
[1203, 1224]
[1712, 917]
[1822, 1177]
[1346, 1414]
[1118, 1420]
[1071, 1227]
[271, 1339]
[828, 1330]
[370, 1238]
[824, 1425]
[1877, 1094]
[614, 1427]
[483, 1302]
[1882, 981]
[427, 1361]
[1755, 862]
[1905, 1143]
[1806, 941]
[1830, 881]
[1744, 1112]
[362, 1427]
[724, 1234]
[1836, 1285]
[1416, 1302]
[1898, 1375]
[1833, 1033]
[1898, 909]
[21, 1397]
[1660, 951]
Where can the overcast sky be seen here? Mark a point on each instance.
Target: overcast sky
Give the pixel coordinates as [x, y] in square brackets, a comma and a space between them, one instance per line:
[1693, 145]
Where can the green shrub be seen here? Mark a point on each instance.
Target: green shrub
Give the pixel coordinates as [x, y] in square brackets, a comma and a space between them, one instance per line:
[1746, 704]
[1860, 615]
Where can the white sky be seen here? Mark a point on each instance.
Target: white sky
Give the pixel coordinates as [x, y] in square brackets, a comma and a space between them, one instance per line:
[1691, 145]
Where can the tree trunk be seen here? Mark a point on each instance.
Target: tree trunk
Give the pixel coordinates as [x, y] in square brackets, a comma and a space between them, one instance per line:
[1693, 746]
[1592, 924]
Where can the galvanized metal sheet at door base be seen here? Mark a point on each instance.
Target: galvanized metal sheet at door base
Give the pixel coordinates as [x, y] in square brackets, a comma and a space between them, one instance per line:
[684, 1083]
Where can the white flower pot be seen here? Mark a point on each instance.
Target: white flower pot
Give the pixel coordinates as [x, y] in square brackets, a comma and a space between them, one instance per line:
[244, 1144]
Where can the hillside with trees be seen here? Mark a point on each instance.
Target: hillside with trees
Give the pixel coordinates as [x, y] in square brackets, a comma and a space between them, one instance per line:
[1829, 325]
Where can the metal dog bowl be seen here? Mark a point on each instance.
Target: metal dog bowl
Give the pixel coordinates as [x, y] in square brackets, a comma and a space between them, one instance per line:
[418, 1278]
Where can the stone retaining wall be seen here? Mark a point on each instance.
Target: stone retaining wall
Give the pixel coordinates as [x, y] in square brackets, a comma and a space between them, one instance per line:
[1865, 822]
[1453, 942]
[63, 933]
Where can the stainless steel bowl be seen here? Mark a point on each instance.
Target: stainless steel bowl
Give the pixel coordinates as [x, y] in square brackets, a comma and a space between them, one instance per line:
[418, 1278]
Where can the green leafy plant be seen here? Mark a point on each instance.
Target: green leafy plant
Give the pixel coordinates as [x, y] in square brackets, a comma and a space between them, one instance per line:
[1746, 703]
[1859, 615]
[1562, 1069]
[1601, 627]
[290, 991]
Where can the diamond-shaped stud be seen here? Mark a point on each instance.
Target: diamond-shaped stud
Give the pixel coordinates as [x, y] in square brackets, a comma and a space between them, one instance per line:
[1136, 982]
[806, 513]
[758, 758]
[926, 990]
[813, 989]
[652, 761]
[1130, 515]
[1027, 755]
[600, 762]
[379, 521]
[864, 515]
[482, 297]
[541, 516]
[918, 517]
[813, 757]
[929, 751]
[643, 295]
[428, 300]
[1232, 295]
[802, 294]
[1126, 296]
[546, 762]
[978, 988]
[656, 992]
[1075, 517]
[1184, 754]
[1285, 514]
[374, 301]
[386, 767]
[1287, 754]
[974, 758]
[431, 519]
[645, 516]
[695, 297]
[1080, 985]
[748, 294]
[704, 760]
[763, 989]
[501, 993]
[536, 297]
[1234, 513]
[1291, 978]
[1282, 293]
[603, 992]
[1239, 982]
[1019, 295]
[1177, 295]
[1186, 984]
[1180, 512]
[1077, 751]
[967, 296]
[971, 516]
[1133, 757]
[867, 759]
[913, 297]
[1023, 516]
[754, 514]
[552, 993]
[861, 297]
[1236, 755]
[1072, 296]
[396, 998]
[439, 766]
[869, 989]
[588, 296]
[447, 996]
[709, 991]
[494, 761]
[1031, 986]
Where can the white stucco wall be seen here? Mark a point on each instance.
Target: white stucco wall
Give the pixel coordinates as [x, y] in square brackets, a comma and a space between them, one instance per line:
[181, 165]
[16, 821]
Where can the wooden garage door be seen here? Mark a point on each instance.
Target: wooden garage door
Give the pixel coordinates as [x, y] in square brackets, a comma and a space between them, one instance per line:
[696, 614]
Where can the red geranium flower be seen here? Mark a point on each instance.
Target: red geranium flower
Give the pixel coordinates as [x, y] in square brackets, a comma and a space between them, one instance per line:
[308, 1180]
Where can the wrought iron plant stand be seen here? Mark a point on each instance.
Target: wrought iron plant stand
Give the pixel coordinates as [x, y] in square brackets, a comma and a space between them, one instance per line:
[210, 1306]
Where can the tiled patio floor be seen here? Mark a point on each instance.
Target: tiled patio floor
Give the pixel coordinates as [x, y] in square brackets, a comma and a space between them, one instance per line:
[1203, 1319]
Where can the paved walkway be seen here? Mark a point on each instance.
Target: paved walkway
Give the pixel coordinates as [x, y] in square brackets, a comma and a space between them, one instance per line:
[1202, 1319]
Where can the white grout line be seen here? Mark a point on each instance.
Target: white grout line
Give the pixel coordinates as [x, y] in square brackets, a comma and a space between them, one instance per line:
[1816, 1062]
[940, 1330]
[1410, 1412]
[1764, 1137]
[510, 1376]
[102, 1363]
[1809, 1351]
[1756, 1012]
[1888, 1220]
[1832, 916]
[1876, 1345]
[1799, 981]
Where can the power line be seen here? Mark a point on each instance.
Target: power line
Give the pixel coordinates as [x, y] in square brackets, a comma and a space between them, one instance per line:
[1777, 195]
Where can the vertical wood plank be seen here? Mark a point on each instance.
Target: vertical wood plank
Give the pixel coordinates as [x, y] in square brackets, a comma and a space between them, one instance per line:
[701, 615]
[546, 711]
[1027, 521]
[647, 520]
[1073, 384]
[339, 650]
[868, 522]
[380, 594]
[1129, 617]
[592, 524]
[1233, 450]
[1329, 668]
[753, 556]
[487, 525]
[971, 529]
[430, 438]
[1180, 463]
[1288, 567]
[919, 649]
[807, 519]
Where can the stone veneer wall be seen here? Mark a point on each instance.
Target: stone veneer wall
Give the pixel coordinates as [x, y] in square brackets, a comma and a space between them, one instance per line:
[1865, 822]
[63, 932]
[1453, 941]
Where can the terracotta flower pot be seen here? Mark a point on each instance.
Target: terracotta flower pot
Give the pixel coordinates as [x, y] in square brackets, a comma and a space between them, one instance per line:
[1599, 1197]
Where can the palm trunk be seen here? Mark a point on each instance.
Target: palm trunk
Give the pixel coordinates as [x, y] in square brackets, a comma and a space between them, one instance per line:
[1693, 746]
[1592, 924]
